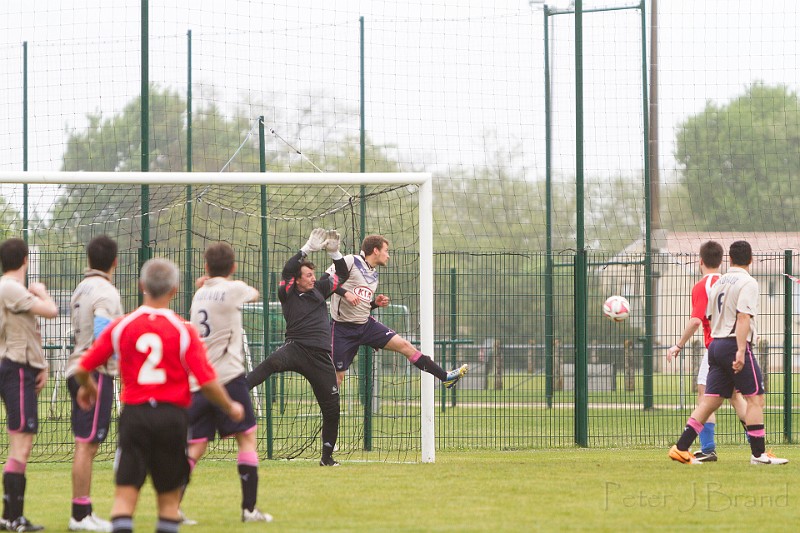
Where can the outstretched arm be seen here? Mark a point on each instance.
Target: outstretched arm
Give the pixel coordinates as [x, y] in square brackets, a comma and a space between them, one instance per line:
[292, 266]
[329, 284]
[689, 330]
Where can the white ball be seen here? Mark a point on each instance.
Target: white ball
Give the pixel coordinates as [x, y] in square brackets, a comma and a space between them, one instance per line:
[616, 308]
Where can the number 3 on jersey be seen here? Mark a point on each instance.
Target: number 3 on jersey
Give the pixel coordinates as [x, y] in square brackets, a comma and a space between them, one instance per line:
[205, 327]
[149, 373]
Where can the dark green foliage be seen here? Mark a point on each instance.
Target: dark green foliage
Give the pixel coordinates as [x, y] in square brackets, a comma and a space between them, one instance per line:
[741, 161]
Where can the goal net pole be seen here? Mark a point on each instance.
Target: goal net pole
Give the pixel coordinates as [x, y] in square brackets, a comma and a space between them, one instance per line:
[425, 191]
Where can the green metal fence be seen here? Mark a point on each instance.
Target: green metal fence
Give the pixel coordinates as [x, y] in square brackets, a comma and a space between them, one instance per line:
[518, 394]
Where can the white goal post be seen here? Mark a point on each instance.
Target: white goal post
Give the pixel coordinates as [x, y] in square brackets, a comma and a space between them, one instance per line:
[420, 179]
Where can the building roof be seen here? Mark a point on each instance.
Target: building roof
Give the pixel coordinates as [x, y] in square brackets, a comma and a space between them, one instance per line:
[768, 247]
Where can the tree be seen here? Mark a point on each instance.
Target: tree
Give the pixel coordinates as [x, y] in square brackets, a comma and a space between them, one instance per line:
[741, 161]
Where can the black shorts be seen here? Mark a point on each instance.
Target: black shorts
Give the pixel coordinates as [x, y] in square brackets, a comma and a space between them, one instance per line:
[152, 440]
[347, 338]
[313, 364]
[18, 389]
[206, 419]
[92, 425]
[721, 379]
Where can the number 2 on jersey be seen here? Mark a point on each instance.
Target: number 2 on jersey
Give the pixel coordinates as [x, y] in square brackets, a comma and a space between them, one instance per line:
[149, 374]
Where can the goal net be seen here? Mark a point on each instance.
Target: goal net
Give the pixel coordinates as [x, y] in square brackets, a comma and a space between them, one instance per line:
[386, 404]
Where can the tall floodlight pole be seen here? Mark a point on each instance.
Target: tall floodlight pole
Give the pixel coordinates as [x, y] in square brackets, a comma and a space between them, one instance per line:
[581, 263]
[144, 251]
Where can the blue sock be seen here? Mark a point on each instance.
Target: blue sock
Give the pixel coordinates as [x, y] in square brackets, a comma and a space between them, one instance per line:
[707, 444]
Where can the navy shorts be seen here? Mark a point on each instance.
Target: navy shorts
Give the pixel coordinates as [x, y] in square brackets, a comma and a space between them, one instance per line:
[206, 419]
[347, 338]
[721, 379]
[92, 425]
[18, 389]
[152, 440]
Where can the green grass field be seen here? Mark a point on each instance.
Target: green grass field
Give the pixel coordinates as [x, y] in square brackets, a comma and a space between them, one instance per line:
[541, 490]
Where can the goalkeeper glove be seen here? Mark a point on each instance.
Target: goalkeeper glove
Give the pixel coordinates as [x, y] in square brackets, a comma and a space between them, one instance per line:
[332, 244]
[315, 242]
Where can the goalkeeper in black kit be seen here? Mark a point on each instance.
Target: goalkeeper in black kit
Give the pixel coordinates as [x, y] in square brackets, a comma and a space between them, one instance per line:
[307, 346]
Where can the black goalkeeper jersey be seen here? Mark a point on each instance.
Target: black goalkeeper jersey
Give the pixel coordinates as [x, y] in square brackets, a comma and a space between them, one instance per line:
[306, 314]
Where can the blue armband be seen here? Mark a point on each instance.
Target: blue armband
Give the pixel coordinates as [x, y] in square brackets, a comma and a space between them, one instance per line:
[100, 323]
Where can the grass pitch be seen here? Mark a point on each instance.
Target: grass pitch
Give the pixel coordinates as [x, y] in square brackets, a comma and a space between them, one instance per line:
[537, 490]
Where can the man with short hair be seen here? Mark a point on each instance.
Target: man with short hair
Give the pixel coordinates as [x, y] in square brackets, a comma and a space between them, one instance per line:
[307, 349]
[23, 373]
[217, 314]
[711, 253]
[94, 304]
[733, 306]
[354, 326]
[157, 352]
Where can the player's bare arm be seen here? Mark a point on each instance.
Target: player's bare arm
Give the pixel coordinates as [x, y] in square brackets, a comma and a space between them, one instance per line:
[742, 332]
[87, 394]
[44, 306]
[41, 380]
[691, 327]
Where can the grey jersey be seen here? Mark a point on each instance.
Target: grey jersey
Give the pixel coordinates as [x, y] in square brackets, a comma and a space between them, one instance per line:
[20, 338]
[363, 282]
[735, 292]
[217, 315]
[94, 298]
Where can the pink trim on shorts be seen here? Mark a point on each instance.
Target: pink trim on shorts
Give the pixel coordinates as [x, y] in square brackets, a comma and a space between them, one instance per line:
[247, 458]
[93, 432]
[749, 353]
[694, 424]
[197, 441]
[245, 432]
[414, 358]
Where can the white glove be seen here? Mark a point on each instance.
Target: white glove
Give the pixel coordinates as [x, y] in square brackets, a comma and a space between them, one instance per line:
[315, 242]
[332, 244]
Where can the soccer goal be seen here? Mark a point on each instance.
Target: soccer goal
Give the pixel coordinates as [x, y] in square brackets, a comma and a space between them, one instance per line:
[266, 217]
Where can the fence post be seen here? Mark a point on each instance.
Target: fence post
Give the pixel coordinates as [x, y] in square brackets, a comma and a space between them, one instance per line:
[581, 359]
[763, 361]
[788, 308]
[498, 365]
[531, 343]
[265, 285]
[630, 370]
[558, 375]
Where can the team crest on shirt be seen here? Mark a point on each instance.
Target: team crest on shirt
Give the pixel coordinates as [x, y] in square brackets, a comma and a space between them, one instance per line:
[365, 293]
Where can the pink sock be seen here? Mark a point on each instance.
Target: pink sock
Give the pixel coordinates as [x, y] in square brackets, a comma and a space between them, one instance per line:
[247, 458]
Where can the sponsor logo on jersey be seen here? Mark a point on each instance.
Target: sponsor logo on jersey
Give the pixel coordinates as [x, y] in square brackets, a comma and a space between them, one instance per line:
[363, 292]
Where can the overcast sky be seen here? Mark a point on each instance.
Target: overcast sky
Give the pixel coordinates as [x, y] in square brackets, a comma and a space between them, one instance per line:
[448, 82]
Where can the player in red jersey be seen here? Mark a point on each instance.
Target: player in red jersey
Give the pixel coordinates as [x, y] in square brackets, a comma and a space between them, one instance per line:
[710, 260]
[157, 352]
